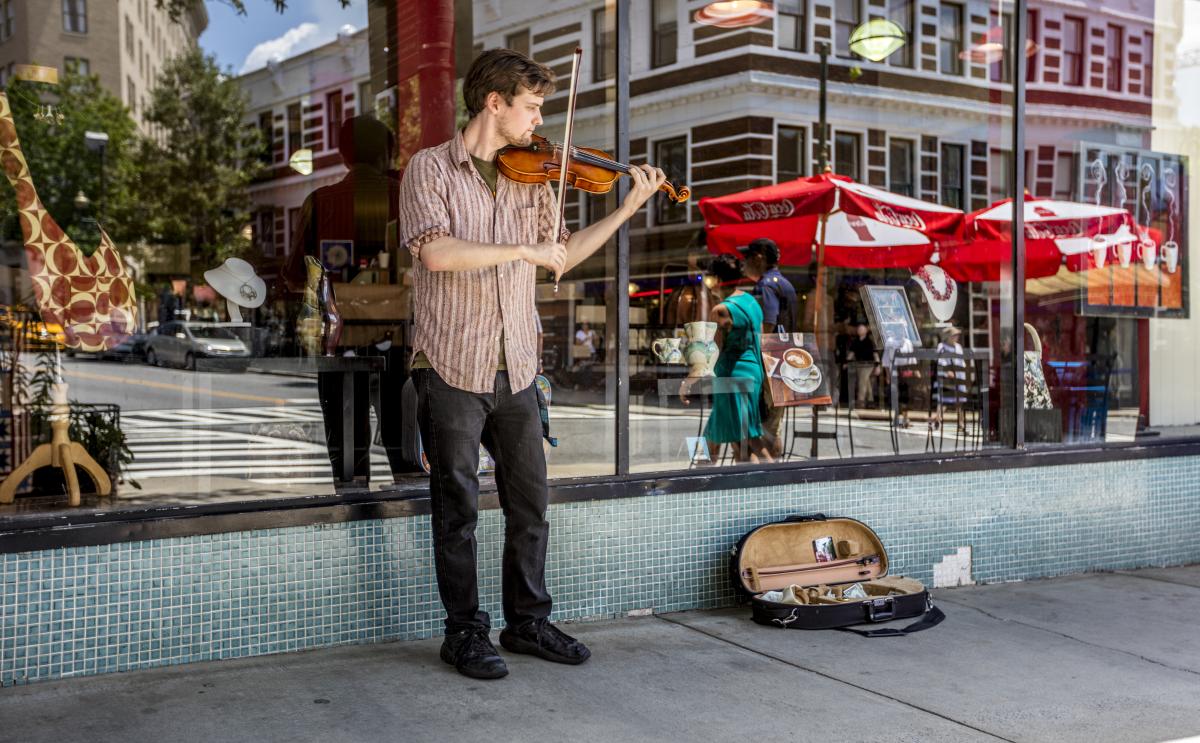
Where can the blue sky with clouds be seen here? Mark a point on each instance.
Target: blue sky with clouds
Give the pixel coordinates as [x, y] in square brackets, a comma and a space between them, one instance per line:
[243, 43]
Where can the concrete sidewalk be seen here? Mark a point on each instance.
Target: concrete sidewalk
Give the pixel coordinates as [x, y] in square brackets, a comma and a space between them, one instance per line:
[1097, 657]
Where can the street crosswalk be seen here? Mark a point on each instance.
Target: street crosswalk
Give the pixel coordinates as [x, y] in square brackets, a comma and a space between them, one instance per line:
[268, 445]
[265, 445]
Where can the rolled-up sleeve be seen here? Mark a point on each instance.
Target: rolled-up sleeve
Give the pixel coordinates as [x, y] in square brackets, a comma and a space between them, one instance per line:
[547, 215]
[424, 204]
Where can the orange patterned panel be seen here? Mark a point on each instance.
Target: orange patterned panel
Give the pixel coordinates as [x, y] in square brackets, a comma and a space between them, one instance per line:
[90, 296]
[1123, 292]
[1172, 289]
[1099, 285]
[1147, 286]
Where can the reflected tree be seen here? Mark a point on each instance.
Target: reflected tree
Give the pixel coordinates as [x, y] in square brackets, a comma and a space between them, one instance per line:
[200, 158]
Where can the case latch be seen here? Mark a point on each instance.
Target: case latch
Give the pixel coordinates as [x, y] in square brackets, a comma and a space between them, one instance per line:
[881, 609]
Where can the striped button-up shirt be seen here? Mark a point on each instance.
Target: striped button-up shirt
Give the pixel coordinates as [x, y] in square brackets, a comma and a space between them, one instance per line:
[460, 316]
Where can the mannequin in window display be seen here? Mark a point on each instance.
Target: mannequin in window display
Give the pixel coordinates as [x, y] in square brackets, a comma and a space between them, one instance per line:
[347, 222]
[738, 414]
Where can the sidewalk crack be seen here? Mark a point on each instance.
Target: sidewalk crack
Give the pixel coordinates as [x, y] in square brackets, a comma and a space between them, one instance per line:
[851, 684]
[943, 600]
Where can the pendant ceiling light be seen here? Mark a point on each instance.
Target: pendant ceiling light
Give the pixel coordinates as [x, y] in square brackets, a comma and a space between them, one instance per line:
[876, 39]
[734, 13]
[991, 49]
[302, 161]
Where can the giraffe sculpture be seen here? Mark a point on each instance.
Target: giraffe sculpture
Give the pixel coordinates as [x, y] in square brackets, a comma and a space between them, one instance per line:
[91, 297]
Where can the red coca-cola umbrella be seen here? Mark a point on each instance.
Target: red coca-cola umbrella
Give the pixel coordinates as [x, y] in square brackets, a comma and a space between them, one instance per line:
[1057, 233]
[865, 227]
[851, 224]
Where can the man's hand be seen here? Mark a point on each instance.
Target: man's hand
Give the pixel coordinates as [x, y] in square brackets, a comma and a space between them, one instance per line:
[646, 180]
[551, 256]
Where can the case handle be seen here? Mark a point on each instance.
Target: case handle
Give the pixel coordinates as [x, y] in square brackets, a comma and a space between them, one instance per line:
[797, 518]
[932, 617]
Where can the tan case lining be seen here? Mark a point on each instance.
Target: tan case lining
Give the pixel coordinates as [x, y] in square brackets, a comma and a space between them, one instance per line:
[781, 555]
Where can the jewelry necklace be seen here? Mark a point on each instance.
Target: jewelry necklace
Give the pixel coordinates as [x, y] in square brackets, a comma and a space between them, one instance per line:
[926, 279]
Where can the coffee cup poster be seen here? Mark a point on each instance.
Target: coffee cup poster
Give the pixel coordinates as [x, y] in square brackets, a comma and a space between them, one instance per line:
[793, 370]
[1141, 271]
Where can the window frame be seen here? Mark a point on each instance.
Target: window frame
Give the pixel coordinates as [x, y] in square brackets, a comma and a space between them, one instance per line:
[1073, 75]
[1033, 32]
[800, 38]
[603, 47]
[905, 57]
[332, 127]
[1000, 71]
[1114, 58]
[962, 149]
[802, 150]
[294, 135]
[74, 16]
[659, 56]
[957, 43]
[8, 22]
[524, 46]
[860, 162]
[912, 145]
[839, 25]
[660, 199]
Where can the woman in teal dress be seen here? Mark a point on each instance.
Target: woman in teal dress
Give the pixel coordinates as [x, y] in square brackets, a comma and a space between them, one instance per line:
[738, 405]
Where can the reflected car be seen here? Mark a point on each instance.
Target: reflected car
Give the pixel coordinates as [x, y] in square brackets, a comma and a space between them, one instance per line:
[181, 343]
[36, 334]
[133, 348]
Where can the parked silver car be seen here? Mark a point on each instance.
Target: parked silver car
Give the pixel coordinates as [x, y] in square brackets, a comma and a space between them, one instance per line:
[181, 343]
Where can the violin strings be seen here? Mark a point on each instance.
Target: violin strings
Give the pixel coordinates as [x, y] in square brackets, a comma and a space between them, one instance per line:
[587, 157]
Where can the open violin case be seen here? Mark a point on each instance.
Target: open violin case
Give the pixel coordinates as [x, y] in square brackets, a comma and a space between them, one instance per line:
[781, 557]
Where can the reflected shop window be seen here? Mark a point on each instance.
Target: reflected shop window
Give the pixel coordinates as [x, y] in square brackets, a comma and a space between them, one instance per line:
[241, 328]
[821, 246]
[203, 296]
[1107, 221]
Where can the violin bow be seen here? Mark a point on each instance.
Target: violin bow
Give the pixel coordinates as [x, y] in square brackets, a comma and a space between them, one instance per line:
[565, 159]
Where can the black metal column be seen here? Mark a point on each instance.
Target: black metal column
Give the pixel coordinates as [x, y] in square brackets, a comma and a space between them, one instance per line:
[621, 138]
[823, 123]
[1017, 189]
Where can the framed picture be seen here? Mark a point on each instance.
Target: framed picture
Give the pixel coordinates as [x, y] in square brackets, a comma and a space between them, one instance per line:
[891, 315]
[792, 367]
[337, 254]
[1150, 277]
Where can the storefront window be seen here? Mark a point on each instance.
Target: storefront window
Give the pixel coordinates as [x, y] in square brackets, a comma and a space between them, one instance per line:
[244, 318]
[841, 311]
[1107, 226]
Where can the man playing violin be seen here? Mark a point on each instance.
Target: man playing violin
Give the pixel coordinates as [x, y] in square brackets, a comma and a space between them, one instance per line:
[477, 240]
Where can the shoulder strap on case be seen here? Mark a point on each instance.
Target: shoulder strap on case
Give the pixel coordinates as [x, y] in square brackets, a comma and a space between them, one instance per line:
[932, 617]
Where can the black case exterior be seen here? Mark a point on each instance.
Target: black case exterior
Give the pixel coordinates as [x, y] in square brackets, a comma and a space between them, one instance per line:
[826, 616]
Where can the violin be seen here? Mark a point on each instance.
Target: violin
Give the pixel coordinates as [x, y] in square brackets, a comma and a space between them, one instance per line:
[587, 169]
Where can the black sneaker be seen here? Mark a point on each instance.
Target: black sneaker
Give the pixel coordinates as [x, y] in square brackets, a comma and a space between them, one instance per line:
[472, 654]
[544, 640]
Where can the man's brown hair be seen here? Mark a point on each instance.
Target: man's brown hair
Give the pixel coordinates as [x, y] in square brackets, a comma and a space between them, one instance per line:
[504, 71]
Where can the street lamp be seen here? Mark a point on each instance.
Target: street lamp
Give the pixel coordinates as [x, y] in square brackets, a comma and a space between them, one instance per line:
[875, 41]
[81, 201]
[98, 142]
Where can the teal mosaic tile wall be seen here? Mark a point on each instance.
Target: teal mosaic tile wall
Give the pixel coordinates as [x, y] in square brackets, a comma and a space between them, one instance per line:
[71, 612]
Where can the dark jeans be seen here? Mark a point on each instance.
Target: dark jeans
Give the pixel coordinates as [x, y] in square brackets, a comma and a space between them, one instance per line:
[388, 412]
[453, 423]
